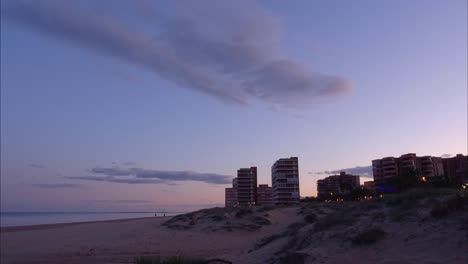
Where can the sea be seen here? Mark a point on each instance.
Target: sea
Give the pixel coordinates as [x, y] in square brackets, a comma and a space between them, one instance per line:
[8, 219]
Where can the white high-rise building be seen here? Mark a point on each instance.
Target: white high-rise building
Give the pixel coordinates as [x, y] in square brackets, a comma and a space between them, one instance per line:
[285, 181]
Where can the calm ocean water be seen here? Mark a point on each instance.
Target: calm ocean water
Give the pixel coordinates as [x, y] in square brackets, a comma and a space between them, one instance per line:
[39, 218]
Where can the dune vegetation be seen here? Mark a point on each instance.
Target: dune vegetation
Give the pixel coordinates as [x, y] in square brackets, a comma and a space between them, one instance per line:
[345, 228]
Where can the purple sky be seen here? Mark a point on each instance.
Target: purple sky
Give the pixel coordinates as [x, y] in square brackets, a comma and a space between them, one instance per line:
[154, 105]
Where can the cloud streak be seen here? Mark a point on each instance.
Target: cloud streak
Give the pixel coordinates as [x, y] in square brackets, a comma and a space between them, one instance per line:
[233, 56]
[37, 166]
[365, 171]
[145, 176]
[57, 185]
[119, 201]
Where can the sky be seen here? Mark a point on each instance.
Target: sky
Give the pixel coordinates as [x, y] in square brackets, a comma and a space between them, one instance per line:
[154, 105]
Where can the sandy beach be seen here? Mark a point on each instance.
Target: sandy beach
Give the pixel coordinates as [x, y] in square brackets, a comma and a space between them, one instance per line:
[408, 232]
[120, 241]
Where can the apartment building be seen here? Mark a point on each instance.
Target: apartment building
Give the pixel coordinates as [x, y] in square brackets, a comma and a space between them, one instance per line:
[247, 186]
[230, 195]
[285, 181]
[389, 167]
[264, 195]
[337, 184]
[456, 169]
[369, 185]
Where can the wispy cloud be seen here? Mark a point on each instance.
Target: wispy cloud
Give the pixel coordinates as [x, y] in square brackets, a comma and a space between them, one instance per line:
[128, 180]
[365, 171]
[119, 201]
[140, 175]
[227, 49]
[57, 185]
[37, 166]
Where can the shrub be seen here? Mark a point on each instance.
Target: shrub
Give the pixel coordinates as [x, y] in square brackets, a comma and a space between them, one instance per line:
[301, 211]
[377, 216]
[455, 203]
[170, 260]
[399, 215]
[217, 218]
[418, 194]
[310, 218]
[265, 208]
[176, 260]
[404, 209]
[291, 230]
[178, 218]
[242, 212]
[369, 236]
[261, 221]
[293, 258]
[319, 211]
[439, 210]
[294, 228]
[370, 205]
[335, 219]
[246, 227]
[268, 239]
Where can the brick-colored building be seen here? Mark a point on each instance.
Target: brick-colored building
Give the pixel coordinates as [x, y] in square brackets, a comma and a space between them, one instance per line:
[369, 185]
[389, 167]
[247, 186]
[337, 184]
[230, 195]
[285, 181]
[456, 169]
[264, 195]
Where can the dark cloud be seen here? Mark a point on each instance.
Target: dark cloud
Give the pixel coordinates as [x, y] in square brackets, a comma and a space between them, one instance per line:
[115, 164]
[119, 201]
[114, 171]
[56, 185]
[364, 171]
[127, 180]
[226, 49]
[446, 155]
[37, 166]
[268, 83]
[139, 175]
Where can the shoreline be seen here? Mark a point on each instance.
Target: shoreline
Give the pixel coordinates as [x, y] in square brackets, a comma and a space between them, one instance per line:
[7, 229]
[122, 240]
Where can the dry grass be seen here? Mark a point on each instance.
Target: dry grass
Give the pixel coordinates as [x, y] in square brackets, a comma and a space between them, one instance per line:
[368, 236]
[169, 260]
[226, 219]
